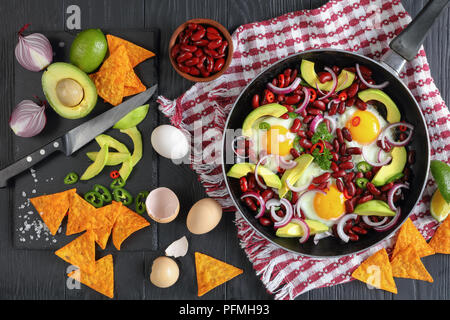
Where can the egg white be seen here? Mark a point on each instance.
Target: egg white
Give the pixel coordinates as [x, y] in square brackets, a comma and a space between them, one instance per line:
[307, 206]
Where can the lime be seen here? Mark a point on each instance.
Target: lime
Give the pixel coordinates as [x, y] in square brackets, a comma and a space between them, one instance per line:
[439, 208]
[441, 173]
[88, 49]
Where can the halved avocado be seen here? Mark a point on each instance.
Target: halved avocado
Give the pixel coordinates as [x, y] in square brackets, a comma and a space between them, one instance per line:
[114, 158]
[98, 165]
[135, 135]
[241, 169]
[292, 175]
[294, 230]
[345, 78]
[392, 112]
[399, 157]
[112, 143]
[374, 208]
[133, 118]
[69, 91]
[272, 109]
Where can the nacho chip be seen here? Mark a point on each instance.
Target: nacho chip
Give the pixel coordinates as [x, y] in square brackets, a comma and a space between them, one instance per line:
[80, 252]
[103, 221]
[127, 223]
[110, 79]
[441, 238]
[80, 213]
[133, 85]
[135, 53]
[377, 272]
[407, 264]
[410, 236]
[53, 207]
[212, 273]
[102, 280]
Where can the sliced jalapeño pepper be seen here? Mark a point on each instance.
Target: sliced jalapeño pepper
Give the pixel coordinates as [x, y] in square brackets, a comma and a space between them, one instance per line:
[122, 195]
[363, 167]
[71, 178]
[94, 198]
[104, 192]
[117, 183]
[362, 183]
[140, 202]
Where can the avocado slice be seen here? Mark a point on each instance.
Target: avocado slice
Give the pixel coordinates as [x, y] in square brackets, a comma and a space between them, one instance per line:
[292, 175]
[345, 78]
[242, 169]
[112, 143]
[114, 158]
[98, 165]
[69, 91]
[136, 136]
[392, 112]
[133, 118]
[294, 230]
[272, 109]
[126, 169]
[399, 157]
[374, 208]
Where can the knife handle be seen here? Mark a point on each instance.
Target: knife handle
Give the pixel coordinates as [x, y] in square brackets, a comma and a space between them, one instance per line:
[29, 161]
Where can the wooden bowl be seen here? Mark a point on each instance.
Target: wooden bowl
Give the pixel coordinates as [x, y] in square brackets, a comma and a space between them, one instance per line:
[205, 22]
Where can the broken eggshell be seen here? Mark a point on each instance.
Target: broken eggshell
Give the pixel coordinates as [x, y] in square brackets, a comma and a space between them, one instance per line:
[178, 248]
[162, 205]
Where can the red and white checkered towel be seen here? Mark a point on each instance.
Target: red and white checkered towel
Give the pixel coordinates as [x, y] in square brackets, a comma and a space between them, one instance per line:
[363, 26]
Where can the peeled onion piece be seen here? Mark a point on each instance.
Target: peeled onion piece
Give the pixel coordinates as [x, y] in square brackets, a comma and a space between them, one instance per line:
[28, 119]
[34, 52]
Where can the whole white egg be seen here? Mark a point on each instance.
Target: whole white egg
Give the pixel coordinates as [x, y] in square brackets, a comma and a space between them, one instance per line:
[170, 142]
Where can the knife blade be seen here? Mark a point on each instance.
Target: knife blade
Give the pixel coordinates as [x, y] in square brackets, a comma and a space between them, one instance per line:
[78, 136]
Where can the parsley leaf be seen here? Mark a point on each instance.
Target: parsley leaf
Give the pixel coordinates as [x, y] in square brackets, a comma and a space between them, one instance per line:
[321, 133]
[323, 159]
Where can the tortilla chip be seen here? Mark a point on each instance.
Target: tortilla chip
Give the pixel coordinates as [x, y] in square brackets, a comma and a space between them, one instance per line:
[103, 221]
[110, 79]
[133, 85]
[410, 236]
[441, 238]
[80, 252]
[407, 264]
[135, 53]
[102, 280]
[377, 272]
[212, 273]
[53, 207]
[127, 223]
[80, 213]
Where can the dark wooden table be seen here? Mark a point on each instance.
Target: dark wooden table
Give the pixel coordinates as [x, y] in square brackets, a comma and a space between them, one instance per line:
[39, 275]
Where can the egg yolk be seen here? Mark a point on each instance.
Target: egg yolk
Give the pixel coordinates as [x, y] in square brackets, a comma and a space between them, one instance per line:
[331, 205]
[364, 127]
[276, 141]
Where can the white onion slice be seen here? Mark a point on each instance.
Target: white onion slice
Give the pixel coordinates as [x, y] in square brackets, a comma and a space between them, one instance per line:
[322, 235]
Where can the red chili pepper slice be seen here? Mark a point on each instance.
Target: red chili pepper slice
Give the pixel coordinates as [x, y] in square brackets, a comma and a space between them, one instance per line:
[312, 95]
[346, 195]
[114, 174]
[402, 128]
[270, 97]
[356, 121]
[342, 96]
[318, 144]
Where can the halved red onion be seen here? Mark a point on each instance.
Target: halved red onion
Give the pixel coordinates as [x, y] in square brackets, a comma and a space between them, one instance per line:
[373, 86]
[305, 228]
[397, 143]
[259, 199]
[34, 52]
[286, 164]
[320, 236]
[315, 122]
[340, 226]
[390, 224]
[261, 161]
[286, 90]
[391, 193]
[288, 214]
[305, 100]
[332, 123]
[333, 86]
[369, 222]
[372, 163]
[28, 119]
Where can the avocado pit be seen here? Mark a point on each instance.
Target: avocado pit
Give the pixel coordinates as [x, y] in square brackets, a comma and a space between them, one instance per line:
[70, 93]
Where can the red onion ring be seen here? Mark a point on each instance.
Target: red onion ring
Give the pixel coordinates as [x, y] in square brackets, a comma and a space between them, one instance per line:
[271, 205]
[286, 164]
[263, 159]
[287, 217]
[305, 227]
[391, 223]
[333, 86]
[305, 101]
[315, 122]
[296, 189]
[233, 144]
[286, 90]
[340, 226]
[375, 164]
[399, 143]
[259, 199]
[369, 222]
[373, 86]
[320, 236]
[391, 193]
[332, 123]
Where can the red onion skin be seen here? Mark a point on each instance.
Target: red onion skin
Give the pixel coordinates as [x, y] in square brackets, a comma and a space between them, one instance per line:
[28, 119]
[36, 44]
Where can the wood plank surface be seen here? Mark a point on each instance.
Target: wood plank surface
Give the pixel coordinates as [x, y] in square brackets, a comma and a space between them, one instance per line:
[40, 275]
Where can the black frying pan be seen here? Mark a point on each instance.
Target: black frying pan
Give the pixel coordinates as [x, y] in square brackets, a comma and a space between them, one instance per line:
[403, 47]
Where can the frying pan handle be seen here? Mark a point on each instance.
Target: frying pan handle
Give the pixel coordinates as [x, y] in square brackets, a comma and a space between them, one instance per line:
[406, 45]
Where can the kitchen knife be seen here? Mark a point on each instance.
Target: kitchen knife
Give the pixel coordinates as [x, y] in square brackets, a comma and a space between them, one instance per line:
[78, 136]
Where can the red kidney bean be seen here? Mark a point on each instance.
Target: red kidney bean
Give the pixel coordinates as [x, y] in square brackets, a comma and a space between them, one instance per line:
[349, 177]
[194, 71]
[334, 167]
[305, 143]
[309, 134]
[324, 76]
[212, 30]
[351, 189]
[375, 170]
[335, 156]
[243, 184]
[294, 99]
[200, 43]
[343, 149]
[191, 62]
[353, 237]
[210, 64]
[339, 174]
[199, 34]
[203, 72]
[328, 145]
[350, 102]
[349, 207]
[335, 69]
[223, 47]
[387, 187]
[280, 79]
[294, 153]
[175, 50]
[359, 230]
[365, 198]
[322, 178]
[293, 75]
[285, 116]
[352, 90]
[411, 157]
[255, 101]
[215, 44]
[296, 124]
[341, 108]
[354, 150]
[313, 111]
[322, 186]
[213, 36]
[368, 175]
[359, 191]
[183, 68]
[184, 56]
[359, 175]
[340, 185]
[336, 144]
[365, 71]
[210, 52]
[199, 53]
[267, 194]
[333, 109]
[361, 105]
[218, 65]
[402, 136]
[346, 134]
[188, 48]
[301, 133]
[308, 119]
[319, 105]
[265, 221]
[289, 107]
[192, 26]
[250, 204]
[339, 136]
[184, 38]
[372, 189]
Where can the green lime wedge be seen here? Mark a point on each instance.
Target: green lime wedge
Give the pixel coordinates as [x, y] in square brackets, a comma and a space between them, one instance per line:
[441, 173]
